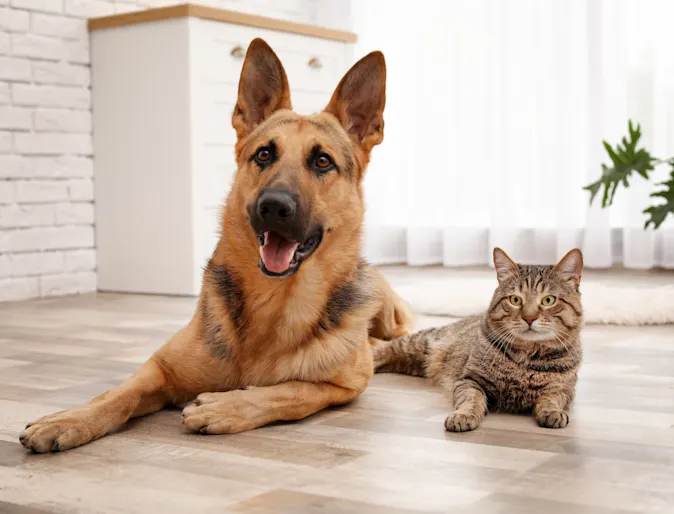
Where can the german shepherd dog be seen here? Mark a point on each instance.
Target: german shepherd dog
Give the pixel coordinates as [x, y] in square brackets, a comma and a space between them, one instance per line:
[288, 309]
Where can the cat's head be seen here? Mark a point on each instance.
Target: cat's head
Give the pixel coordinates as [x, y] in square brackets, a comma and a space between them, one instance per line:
[536, 303]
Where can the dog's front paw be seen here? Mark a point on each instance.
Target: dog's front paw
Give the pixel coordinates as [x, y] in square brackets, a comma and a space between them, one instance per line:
[59, 432]
[222, 413]
[461, 422]
[552, 418]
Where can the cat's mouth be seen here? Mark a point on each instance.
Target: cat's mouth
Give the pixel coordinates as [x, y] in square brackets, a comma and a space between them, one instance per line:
[535, 334]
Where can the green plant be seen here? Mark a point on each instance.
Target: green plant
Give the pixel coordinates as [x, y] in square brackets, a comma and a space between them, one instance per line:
[627, 159]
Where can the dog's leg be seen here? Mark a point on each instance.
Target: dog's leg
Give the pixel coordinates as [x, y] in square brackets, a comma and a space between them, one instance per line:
[241, 410]
[394, 317]
[142, 393]
[246, 409]
[176, 373]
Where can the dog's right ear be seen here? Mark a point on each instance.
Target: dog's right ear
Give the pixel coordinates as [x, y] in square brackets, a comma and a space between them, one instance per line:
[359, 100]
[263, 88]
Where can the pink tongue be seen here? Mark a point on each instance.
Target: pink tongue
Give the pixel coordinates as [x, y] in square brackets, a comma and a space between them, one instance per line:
[277, 252]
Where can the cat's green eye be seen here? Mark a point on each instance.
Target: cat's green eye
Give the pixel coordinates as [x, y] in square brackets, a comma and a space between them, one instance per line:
[515, 300]
[549, 301]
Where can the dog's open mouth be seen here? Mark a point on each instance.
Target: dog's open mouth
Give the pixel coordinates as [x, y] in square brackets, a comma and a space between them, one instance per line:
[281, 257]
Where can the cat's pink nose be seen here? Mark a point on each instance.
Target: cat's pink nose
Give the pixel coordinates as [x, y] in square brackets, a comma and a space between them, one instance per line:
[530, 319]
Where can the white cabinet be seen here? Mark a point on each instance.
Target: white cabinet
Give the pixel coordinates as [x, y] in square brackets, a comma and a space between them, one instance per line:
[163, 92]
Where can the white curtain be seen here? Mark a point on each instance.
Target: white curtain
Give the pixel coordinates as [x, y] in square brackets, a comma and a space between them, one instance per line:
[495, 114]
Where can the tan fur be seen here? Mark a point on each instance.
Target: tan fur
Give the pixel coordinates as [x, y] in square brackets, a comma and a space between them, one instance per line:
[260, 349]
[494, 361]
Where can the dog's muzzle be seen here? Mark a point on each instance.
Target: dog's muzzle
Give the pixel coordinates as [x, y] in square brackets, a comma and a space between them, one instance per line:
[283, 232]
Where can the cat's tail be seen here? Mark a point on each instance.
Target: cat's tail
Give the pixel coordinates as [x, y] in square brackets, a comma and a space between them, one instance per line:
[407, 355]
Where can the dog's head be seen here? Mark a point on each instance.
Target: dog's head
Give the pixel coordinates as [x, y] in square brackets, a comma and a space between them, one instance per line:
[298, 185]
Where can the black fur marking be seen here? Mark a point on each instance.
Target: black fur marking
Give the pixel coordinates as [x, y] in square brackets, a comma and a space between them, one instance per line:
[496, 306]
[561, 320]
[346, 298]
[552, 366]
[572, 307]
[482, 382]
[537, 387]
[343, 300]
[348, 169]
[213, 333]
[558, 353]
[229, 289]
[273, 155]
[556, 309]
[316, 151]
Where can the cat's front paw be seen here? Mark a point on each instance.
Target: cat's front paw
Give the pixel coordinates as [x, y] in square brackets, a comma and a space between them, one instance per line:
[461, 422]
[552, 418]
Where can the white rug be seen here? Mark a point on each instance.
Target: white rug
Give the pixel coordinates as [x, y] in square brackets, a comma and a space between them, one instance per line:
[602, 304]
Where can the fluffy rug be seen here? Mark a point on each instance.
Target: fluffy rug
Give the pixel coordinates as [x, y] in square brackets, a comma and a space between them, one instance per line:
[603, 304]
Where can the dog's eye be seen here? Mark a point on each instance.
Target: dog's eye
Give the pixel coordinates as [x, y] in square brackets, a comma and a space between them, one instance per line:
[263, 156]
[323, 162]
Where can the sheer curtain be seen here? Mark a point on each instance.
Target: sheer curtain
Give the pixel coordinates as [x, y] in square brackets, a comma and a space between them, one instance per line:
[495, 114]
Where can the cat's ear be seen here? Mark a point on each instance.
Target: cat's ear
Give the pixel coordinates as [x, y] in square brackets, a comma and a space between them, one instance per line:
[505, 266]
[571, 266]
[263, 88]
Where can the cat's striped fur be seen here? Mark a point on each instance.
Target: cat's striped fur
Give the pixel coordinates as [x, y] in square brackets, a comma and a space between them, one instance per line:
[522, 355]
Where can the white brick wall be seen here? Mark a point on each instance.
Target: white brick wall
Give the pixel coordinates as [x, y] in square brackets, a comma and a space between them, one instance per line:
[5, 142]
[4, 93]
[46, 168]
[15, 118]
[32, 95]
[14, 69]
[14, 21]
[21, 215]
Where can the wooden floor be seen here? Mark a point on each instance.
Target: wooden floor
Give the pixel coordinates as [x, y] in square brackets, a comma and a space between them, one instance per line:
[387, 452]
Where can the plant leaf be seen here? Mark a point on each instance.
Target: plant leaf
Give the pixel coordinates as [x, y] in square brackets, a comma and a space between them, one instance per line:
[659, 212]
[625, 159]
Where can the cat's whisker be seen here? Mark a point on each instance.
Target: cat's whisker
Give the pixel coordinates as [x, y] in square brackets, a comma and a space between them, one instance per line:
[564, 333]
[575, 352]
[497, 353]
[497, 339]
[512, 341]
[498, 335]
[569, 348]
[508, 339]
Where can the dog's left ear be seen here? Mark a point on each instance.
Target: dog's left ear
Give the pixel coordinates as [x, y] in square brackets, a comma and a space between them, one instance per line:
[358, 102]
[263, 88]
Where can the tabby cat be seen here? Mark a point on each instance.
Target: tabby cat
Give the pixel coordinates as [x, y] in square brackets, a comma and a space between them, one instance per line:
[521, 356]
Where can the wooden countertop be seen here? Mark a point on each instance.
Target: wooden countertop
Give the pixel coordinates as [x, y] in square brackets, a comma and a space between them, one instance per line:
[223, 15]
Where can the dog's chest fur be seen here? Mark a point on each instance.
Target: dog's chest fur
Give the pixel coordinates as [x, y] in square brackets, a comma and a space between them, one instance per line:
[289, 331]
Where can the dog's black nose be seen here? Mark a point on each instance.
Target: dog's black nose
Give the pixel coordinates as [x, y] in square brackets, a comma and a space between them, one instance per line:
[276, 206]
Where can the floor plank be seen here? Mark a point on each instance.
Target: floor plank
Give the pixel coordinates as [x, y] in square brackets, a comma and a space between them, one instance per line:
[386, 452]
